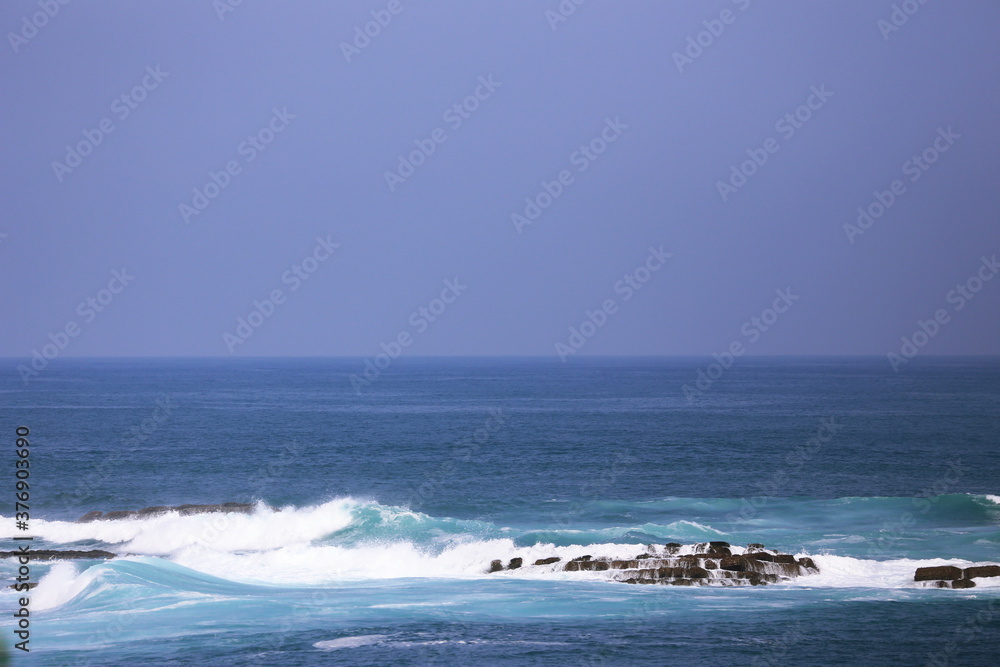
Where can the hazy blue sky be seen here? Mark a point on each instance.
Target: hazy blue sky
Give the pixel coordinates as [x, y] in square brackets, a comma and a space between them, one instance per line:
[340, 117]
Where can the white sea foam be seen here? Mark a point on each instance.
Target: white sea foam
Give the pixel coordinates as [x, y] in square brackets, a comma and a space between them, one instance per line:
[349, 642]
[265, 529]
[60, 584]
[289, 546]
[848, 572]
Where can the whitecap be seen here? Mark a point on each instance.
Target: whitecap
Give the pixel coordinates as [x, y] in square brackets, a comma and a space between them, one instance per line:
[349, 642]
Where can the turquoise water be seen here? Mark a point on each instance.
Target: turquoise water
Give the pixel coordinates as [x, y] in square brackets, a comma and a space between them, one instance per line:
[378, 513]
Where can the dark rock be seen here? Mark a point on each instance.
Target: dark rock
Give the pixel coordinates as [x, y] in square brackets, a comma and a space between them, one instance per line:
[515, 563]
[982, 571]
[963, 583]
[29, 584]
[149, 511]
[719, 551]
[762, 555]
[669, 572]
[734, 563]
[55, 554]
[548, 561]
[185, 510]
[496, 565]
[188, 509]
[807, 563]
[754, 546]
[756, 568]
[672, 547]
[785, 569]
[624, 564]
[719, 544]
[940, 572]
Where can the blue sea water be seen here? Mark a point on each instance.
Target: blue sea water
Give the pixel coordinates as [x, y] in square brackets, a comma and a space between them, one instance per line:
[382, 502]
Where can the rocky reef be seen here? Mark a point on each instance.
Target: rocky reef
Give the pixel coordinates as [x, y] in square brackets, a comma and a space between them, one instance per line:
[952, 576]
[243, 508]
[56, 554]
[674, 564]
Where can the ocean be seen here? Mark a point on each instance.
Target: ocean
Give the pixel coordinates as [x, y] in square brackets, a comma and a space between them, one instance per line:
[380, 500]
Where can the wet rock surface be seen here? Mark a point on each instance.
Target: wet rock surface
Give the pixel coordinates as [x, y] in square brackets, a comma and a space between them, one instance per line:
[701, 564]
[186, 509]
[952, 576]
[56, 554]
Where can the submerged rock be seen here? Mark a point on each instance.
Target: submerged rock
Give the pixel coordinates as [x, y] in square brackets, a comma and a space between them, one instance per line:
[56, 554]
[185, 510]
[29, 584]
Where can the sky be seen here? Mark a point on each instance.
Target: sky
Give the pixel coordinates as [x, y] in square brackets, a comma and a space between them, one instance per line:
[199, 178]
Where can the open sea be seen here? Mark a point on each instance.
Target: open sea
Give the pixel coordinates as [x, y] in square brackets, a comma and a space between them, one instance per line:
[382, 500]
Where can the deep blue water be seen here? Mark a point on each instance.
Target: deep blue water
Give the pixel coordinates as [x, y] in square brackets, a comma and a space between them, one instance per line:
[389, 499]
